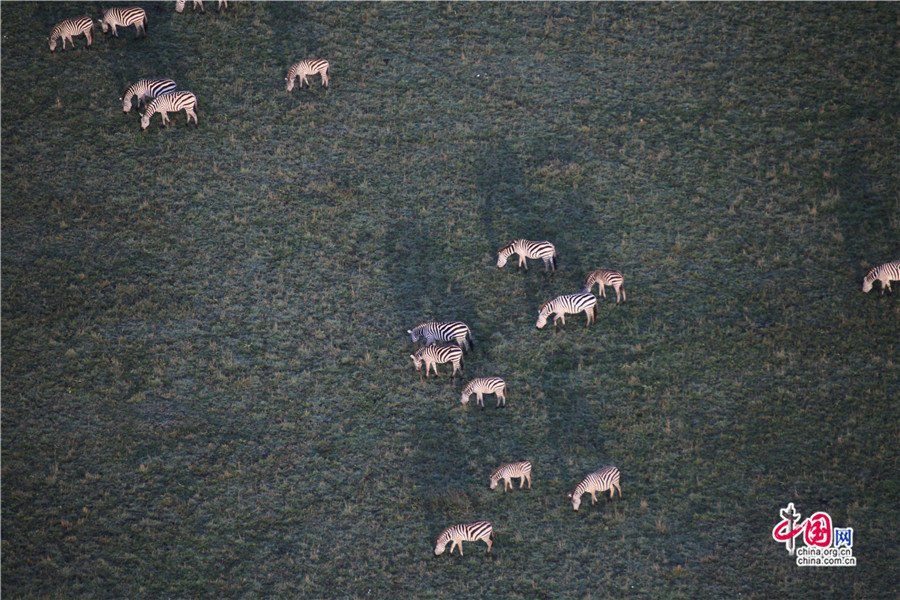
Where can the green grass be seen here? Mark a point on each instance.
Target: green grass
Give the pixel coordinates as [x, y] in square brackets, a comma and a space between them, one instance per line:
[206, 383]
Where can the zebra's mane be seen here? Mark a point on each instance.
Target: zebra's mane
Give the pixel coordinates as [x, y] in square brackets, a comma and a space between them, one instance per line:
[541, 309]
[871, 273]
[506, 247]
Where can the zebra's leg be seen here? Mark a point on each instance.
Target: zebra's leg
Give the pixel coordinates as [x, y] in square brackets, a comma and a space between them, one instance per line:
[602, 289]
[114, 32]
[89, 37]
[507, 483]
[165, 117]
[593, 498]
[887, 284]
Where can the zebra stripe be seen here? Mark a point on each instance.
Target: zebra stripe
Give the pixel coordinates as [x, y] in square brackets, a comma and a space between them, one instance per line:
[146, 89]
[70, 28]
[443, 331]
[125, 17]
[482, 386]
[521, 469]
[308, 67]
[179, 5]
[432, 355]
[606, 478]
[171, 102]
[885, 274]
[603, 278]
[528, 249]
[569, 304]
[464, 532]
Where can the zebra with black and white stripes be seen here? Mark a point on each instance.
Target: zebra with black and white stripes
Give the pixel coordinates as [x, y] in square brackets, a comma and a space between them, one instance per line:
[568, 304]
[171, 102]
[125, 17]
[521, 469]
[465, 532]
[482, 386]
[528, 249]
[308, 67]
[434, 355]
[603, 278]
[146, 89]
[606, 478]
[69, 29]
[885, 274]
[443, 331]
[179, 5]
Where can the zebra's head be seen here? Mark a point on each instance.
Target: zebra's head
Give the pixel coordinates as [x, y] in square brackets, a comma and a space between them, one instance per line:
[501, 260]
[465, 399]
[542, 318]
[126, 102]
[414, 334]
[495, 479]
[867, 284]
[145, 121]
[103, 25]
[417, 361]
[576, 500]
[439, 547]
[290, 83]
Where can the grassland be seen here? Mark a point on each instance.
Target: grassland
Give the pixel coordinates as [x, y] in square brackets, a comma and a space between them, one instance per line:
[206, 389]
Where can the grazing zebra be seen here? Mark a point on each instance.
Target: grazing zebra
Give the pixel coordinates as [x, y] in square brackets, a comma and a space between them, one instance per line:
[528, 249]
[606, 478]
[603, 278]
[466, 532]
[562, 305]
[444, 331]
[146, 89]
[179, 5]
[171, 102]
[308, 67]
[521, 469]
[885, 274]
[125, 17]
[482, 386]
[70, 28]
[432, 355]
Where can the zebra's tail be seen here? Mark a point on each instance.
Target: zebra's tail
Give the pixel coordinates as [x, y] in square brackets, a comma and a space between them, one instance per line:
[471, 341]
[146, 25]
[553, 261]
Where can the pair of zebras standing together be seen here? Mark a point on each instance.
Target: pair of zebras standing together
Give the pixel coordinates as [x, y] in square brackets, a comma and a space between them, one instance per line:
[607, 478]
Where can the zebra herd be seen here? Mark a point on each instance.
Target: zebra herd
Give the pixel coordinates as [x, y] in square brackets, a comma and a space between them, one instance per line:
[437, 350]
[160, 92]
[444, 342]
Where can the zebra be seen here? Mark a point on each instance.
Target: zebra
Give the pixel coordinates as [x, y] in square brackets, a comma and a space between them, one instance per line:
[171, 102]
[179, 5]
[146, 89]
[885, 274]
[125, 17]
[482, 386]
[528, 249]
[521, 469]
[465, 532]
[562, 305]
[308, 67]
[444, 331]
[606, 478]
[432, 355]
[70, 28]
[603, 278]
